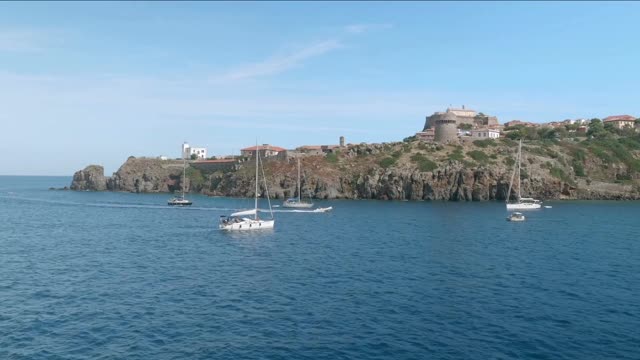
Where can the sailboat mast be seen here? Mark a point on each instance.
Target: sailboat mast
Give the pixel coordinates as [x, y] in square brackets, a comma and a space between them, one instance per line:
[299, 180]
[256, 201]
[519, 160]
[184, 174]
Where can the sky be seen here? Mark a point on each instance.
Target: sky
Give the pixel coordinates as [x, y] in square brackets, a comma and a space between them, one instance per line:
[97, 82]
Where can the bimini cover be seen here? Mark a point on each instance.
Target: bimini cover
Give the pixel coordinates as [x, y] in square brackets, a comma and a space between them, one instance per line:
[243, 213]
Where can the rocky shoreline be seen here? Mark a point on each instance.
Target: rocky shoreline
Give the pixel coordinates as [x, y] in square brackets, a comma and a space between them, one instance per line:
[396, 171]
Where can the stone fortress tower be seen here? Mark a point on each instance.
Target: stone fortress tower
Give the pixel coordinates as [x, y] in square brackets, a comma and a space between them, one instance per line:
[444, 124]
[446, 128]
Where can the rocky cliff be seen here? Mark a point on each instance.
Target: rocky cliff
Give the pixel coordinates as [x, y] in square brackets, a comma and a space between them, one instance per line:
[90, 178]
[135, 175]
[472, 171]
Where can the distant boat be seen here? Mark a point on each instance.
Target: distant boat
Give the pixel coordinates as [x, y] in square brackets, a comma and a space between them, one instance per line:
[180, 200]
[516, 216]
[297, 203]
[521, 203]
[240, 221]
[320, 210]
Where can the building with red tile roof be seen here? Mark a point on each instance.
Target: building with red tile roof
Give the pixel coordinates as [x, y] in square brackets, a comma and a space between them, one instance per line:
[266, 150]
[620, 121]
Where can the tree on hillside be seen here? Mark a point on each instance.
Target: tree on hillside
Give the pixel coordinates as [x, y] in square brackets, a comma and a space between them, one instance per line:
[596, 129]
[465, 126]
[610, 127]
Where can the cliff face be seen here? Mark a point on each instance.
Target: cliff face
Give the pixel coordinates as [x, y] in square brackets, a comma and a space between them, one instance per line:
[90, 178]
[398, 171]
[135, 175]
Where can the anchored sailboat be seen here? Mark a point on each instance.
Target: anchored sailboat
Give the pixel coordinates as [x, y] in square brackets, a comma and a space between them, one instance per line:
[181, 201]
[520, 203]
[297, 203]
[239, 220]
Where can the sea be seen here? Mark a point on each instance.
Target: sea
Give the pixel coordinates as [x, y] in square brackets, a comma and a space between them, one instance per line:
[101, 275]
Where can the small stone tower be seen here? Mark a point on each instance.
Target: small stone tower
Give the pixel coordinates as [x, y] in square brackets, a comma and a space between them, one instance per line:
[341, 141]
[446, 130]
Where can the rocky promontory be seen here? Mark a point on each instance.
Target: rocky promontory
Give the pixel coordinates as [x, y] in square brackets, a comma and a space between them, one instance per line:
[139, 175]
[411, 170]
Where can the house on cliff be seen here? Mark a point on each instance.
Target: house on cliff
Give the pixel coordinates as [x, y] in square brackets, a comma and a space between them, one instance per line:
[266, 151]
[620, 121]
[188, 150]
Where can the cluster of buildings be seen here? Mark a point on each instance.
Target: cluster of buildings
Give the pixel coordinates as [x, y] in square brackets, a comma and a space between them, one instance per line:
[450, 126]
[270, 151]
[454, 125]
[188, 150]
[266, 151]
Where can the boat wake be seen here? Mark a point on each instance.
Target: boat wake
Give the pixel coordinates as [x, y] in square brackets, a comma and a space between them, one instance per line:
[147, 206]
[318, 210]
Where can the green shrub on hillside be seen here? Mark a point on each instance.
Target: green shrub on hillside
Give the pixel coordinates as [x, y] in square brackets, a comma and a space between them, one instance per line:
[456, 155]
[423, 163]
[479, 156]
[387, 162]
[332, 158]
[484, 143]
[509, 161]
[509, 142]
[197, 180]
[560, 174]
[578, 168]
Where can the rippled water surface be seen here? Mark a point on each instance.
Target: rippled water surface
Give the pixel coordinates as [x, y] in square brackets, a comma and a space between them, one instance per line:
[122, 276]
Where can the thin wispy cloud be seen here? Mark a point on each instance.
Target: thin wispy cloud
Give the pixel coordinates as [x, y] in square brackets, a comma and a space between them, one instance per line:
[19, 41]
[278, 64]
[363, 28]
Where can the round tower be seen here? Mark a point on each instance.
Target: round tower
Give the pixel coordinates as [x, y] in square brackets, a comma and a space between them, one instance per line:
[445, 128]
[341, 141]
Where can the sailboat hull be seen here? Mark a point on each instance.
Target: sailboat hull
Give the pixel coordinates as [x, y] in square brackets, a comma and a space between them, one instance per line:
[179, 202]
[299, 205]
[523, 206]
[247, 224]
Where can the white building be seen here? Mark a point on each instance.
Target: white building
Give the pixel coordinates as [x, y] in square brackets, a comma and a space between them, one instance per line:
[485, 134]
[187, 151]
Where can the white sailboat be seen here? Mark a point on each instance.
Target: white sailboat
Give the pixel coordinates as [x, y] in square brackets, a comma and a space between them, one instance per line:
[240, 220]
[181, 201]
[520, 203]
[297, 203]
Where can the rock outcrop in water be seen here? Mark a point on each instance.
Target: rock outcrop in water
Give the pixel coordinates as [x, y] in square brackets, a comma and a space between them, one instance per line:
[90, 178]
[476, 171]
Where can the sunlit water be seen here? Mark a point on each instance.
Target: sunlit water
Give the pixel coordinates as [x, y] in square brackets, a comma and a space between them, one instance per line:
[89, 275]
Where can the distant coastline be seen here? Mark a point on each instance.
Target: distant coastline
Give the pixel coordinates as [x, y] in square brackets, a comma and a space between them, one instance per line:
[408, 170]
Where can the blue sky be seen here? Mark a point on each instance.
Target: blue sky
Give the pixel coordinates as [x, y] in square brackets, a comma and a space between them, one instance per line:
[84, 83]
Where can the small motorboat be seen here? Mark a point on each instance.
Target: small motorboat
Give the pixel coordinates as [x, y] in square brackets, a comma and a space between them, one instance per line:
[516, 216]
[548, 206]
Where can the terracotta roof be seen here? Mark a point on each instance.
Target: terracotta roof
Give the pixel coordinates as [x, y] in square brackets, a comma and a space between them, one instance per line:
[619, 118]
[264, 147]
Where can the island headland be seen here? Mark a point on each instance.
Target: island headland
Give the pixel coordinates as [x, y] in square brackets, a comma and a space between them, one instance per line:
[475, 170]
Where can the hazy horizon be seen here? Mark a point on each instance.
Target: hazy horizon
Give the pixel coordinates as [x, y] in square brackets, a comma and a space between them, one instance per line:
[94, 83]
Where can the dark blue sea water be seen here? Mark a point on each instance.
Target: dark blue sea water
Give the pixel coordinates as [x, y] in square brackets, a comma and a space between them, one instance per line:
[89, 275]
